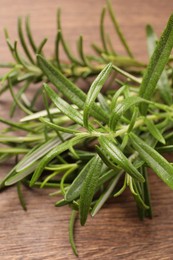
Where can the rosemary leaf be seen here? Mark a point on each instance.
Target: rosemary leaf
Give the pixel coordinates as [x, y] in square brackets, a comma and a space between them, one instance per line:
[71, 230]
[63, 106]
[153, 159]
[116, 155]
[88, 188]
[157, 63]
[68, 89]
[93, 92]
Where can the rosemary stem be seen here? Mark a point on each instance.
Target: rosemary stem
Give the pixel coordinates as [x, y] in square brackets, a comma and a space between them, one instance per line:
[138, 123]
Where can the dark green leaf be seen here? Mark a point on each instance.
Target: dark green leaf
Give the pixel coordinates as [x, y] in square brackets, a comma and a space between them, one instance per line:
[20, 195]
[81, 52]
[94, 91]
[89, 188]
[133, 119]
[117, 94]
[102, 31]
[126, 74]
[61, 203]
[68, 89]
[57, 51]
[137, 196]
[16, 100]
[117, 28]
[53, 153]
[56, 127]
[71, 231]
[75, 188]
[118, 157]
[64, 43]
[63, 106]
[154, 131]
[22, 40]
[40, 47]
[154, 160]
[105, 159]
[106, 176]
[122, 189]
[40, 152]
[18, 97]
[163, 83]
[18, 176]
[146, 192]
[121, 108]
[16, 125]
[105, 195]
[157, 63]
[29, 34]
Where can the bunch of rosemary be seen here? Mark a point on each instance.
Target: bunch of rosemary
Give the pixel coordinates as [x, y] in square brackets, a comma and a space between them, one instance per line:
[89, 146]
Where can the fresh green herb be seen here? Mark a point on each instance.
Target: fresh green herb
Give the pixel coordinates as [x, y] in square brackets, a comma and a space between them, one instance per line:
[82, 145]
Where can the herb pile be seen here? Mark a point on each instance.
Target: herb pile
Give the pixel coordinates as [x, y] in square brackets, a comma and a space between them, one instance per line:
[89, 146]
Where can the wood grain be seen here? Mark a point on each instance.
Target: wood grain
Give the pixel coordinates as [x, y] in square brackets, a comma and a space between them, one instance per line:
[115, 233]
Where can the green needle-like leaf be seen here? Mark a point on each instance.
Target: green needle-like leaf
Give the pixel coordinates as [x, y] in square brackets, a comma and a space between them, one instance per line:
[121, 108]
[63, 106]
[40, 152]
[105, 159]
[14, 150]
[53, 153]
[133, 119]
[89, 188]
[40, 47]
[117, 94]
[71, 231]
[118, 29]
[146, 192]
[102, 30]
[29, 34]
[154, 131]
[68, 89]
[56, 127]
[106, 176]
[163, 83]
[81, 52]
[39, 114]
[154, 160]
[16, 125]
[157, 63]
[94, 91]
[18, 97]
[21, 197]
[22, 40]
[18, 176]
[75, 188]
[16, 100]
[118, 157]
[64, 43]
[57, 49]
[102, 199]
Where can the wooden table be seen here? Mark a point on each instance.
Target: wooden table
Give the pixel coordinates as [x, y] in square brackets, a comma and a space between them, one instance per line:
[41, 233]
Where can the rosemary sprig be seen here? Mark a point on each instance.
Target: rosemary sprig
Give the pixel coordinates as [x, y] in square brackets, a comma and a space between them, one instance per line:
[27, 69]
[84, 144]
